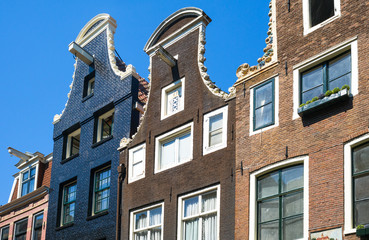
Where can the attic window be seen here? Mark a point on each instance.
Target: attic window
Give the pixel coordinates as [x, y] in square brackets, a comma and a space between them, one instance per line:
[320, 10]
[28, 181]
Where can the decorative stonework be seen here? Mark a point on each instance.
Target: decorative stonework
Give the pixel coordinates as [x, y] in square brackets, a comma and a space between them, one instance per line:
[124, 142]
[269, 54]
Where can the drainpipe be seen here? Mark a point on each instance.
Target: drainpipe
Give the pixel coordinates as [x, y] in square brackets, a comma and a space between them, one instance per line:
[121, 177]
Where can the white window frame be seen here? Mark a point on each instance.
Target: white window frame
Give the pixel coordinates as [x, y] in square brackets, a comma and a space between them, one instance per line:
[169, 135]
[350, 45]
[20, 178]
[209, 149]
[348, 183]
[69, 142]
[131, 177]
[306, 13]
[132, 220]
[193, 194]
[276, 107]
[33, 224]
[99, 124]
[253, 205]
[90, 90]
[164, 97]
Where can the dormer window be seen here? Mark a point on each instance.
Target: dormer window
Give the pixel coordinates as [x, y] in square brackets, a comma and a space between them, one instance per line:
[28, 181]
[172, 99]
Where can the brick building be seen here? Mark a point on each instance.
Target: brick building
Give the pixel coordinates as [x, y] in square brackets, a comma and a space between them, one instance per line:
[301, 150]
[176, 176]
[103, 107]
[25, 215]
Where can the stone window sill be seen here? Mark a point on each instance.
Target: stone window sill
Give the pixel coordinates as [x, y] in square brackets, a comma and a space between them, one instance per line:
[100, 214]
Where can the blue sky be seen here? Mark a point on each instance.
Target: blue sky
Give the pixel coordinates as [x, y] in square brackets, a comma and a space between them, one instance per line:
[36, 68]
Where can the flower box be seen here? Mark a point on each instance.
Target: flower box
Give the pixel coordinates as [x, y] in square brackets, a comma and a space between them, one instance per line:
[323, 103]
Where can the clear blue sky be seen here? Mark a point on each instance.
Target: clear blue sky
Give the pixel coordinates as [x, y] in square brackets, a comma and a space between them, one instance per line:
[36, 68]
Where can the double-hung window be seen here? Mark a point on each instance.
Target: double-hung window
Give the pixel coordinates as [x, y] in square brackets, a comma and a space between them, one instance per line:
[136, 163]
[263, 102]
[360, 175]
[28, 181]
[102, 190]
[174, 148]
[20, 229]
[69, 203]
[37, 226]
[199, 215]
[172, 99]
[328, 75]
[4, 233]
[280, 204]
[215, 130]
[105, 125]
[147, 223]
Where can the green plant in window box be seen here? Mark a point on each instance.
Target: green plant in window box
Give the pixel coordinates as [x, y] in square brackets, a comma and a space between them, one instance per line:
[302, 104]
[345, 87]
[308, 102]
[336, 90]
[328, 93]
[314, 99]
[362, 230]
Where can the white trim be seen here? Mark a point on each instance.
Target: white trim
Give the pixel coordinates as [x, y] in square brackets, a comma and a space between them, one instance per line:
[36, 165]
[351, 45]
[180, 209]
[349, 215]
[273, 167]
[209, 149]
[141, 147]
[276, 107]
[13, 188]
[306, 13]
[172, 134]
[164, 97]
[132, 222]
[69, 140]
[33, 223]
[99, 124]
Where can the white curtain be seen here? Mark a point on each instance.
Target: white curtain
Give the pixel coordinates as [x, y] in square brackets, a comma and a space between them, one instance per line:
[155, 234]
[141, 236]
[141, 220]
[209, 202]
[209, 228]
[167, 154]
[185, 147]
[191, 229]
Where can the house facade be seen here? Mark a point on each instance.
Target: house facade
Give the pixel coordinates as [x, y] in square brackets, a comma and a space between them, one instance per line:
[25, 214]
[176, 174]
[302, 134]
[103, 107]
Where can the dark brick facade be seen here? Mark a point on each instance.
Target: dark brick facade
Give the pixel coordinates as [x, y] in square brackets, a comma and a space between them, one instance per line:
[203, 170]
[110, 91]
[320, 136]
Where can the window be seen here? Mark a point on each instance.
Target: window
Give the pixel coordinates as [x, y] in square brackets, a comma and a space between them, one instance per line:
[20, 229]
[264, 105]
[319, 12]
[101, 190]
[147, 223]
[136, 163]
[328, 75]
[89, 82]
[105, 125]
[199, 215]
[327, 70]
[280, 204]
[4, 233]
[172, 99]
[69, 203]
[37, 226]
[73, 142]
[28, 181]
[174, 147]
[215, 130]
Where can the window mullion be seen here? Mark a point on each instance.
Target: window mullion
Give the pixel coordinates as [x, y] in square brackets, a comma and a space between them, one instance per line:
[325, 77]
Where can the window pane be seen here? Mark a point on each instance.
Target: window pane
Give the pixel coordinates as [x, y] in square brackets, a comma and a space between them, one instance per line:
[268, 210]
[25, 187]
[69, 212]
[21, 227]
[339, 82]
[185, 147]
[312, 78]
[102, 200]
[167, 154]
[209, 228]
[141, 235]
[138, 155]
[361, 187]
[306, 96]
[321, 10]
[191, 229]
[264, 116]
[216, 122]
[37, 227]
[268, 231]
[75, 144]
[174, 100]
[38, 220]
[31, 185]
[103, 179]
[25, 175]
[264, 95]
[4, 233]
[215, 137]
[107, 126]
[268, 185]
[155, 233]
[339, 66]
[293, 228]
[33, 172]
[137, 169]
[70, 193]
[361, 212]
[361, 158]
[292, 178]
[209, 202]
[293, 204]
[191, 206]
[155, 216]
[141, 220]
